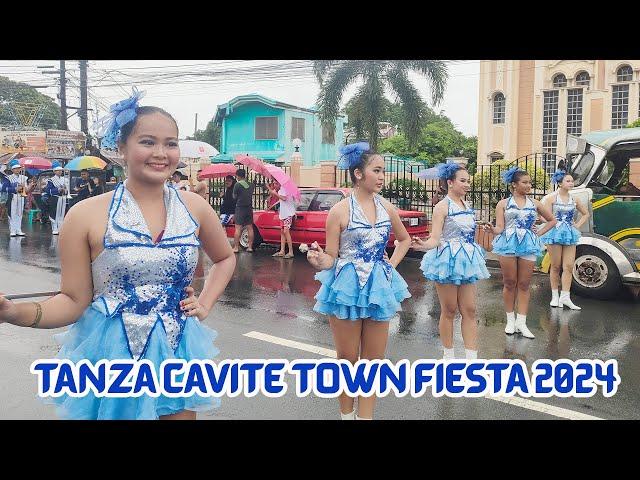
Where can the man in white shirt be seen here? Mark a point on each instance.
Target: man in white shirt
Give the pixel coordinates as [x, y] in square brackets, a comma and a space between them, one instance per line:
[286, 214]
[16, 189]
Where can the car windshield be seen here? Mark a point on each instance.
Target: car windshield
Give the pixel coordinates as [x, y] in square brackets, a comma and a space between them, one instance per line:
[305, 200]
[325, 200]
[582, 167]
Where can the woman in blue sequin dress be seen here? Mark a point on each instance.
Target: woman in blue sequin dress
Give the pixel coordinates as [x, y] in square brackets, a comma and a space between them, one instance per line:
[454, 260]
[518, 246]
[361, 289]
[127, 259]
[562, 239]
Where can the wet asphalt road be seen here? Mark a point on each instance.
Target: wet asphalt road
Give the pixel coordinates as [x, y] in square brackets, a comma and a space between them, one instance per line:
[275, 297]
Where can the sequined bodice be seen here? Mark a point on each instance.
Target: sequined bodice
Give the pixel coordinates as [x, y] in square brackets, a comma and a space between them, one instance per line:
[142, 280]
[459, 224]
[363, 244]
[519, 219]
[564, 212]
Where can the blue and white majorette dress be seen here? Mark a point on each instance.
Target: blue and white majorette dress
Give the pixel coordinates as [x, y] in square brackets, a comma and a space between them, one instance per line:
[135, 313]
[458, 259]
[564, 233]
[362, 284]
[517, 239]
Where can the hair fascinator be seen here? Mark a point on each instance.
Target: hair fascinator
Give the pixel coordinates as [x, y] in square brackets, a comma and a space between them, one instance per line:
[441, 171]
[507, 175]
[350, 154]
[121, 113]
[557, 176]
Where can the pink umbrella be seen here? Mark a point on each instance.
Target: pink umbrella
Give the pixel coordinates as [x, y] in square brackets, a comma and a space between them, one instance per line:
[37, 163]
[218, 170]
[253, 163]
[284, 180]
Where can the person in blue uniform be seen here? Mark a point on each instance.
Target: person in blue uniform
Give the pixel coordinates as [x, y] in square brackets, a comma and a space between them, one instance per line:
[518, 246]
[361, 290]
[562, 239]
[15, 189]
[127, 260]
[56, 193]
[454, 261]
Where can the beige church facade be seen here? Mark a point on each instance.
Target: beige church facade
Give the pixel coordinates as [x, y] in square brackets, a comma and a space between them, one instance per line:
[529, 106]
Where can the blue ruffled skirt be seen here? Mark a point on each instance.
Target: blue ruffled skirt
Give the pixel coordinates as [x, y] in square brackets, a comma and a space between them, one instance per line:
[440, 265]
[96, 336]
[342, 297]
[510, 245]
[561, 234]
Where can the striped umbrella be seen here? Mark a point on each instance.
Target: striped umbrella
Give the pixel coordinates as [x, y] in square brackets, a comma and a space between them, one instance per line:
[86, 162]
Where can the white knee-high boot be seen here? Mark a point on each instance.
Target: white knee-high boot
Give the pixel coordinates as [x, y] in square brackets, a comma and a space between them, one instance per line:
[565, 301]
[511, 323]
[521, 326]
[348, 416]
[554, 298]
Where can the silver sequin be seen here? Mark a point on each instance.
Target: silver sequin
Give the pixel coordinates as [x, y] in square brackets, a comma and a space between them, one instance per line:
[564, 212]
[143, 281]
[518, 221]
[362, 244]
[458, 232]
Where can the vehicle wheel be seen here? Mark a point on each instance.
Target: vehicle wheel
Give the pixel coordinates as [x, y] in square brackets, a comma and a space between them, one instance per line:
[244, 238]
[595, 275]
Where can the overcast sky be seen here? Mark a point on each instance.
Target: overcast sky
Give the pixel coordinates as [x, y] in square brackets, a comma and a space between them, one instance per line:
[185, 88]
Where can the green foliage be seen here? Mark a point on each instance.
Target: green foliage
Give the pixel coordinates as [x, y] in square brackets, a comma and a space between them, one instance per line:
[438, 140]
[406, 188]
[210, 135]
[369, 104]
[488, 179]
[634, 124]
[11, 92]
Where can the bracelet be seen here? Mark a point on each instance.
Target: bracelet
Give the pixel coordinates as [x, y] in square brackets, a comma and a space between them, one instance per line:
[38, 315]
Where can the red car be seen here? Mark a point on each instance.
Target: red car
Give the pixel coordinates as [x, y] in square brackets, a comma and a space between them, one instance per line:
[311, 219]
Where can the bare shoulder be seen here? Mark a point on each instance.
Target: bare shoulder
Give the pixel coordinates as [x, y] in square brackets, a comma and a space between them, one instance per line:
[91, 207]
[442, 205]
[389, 207]
[340, 210]
[197, 206]
[501, 203]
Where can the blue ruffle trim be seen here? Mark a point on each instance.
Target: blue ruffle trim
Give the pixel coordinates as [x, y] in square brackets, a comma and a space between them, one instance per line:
[561, 234]
[95, 337]
[342, 297]
[439, 265]
[530, 244]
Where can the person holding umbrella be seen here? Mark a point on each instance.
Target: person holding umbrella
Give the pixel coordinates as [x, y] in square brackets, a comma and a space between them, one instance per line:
[228, 206]
[15, 200]
[286, 214]
[56, 193]
[242, 193]
[84, 187]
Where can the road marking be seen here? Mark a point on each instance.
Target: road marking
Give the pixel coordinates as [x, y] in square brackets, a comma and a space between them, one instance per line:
[515, 401]
[292, 344]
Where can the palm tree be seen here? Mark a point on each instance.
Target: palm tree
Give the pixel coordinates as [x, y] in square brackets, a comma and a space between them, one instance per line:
[335, 76]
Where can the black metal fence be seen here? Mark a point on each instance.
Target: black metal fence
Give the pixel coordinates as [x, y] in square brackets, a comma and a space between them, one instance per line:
[404, 189]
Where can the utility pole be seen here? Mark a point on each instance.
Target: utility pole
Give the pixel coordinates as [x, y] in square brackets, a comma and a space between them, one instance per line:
[195, 131]
[63, 96]
[82, 113]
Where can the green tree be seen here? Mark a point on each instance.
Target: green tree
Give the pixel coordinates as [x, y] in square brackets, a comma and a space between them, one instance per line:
[210, 135]
[392, 112]
[12, 94]
[335, 76]
[438, 140]
[634, 124]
